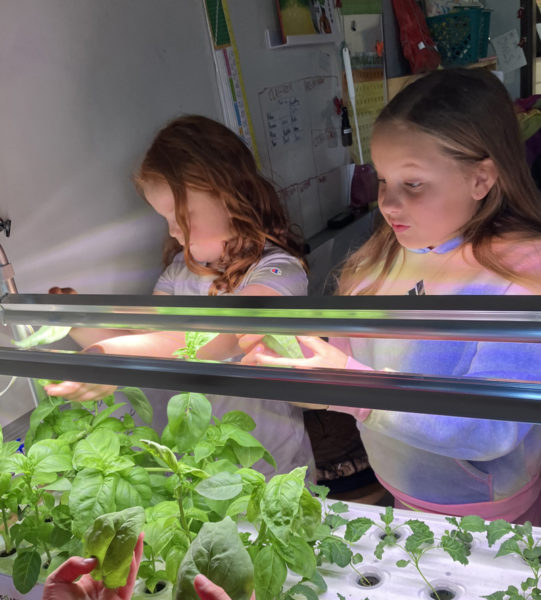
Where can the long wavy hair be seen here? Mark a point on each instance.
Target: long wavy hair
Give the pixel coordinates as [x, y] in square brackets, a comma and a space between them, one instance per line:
[196, 152]
[471, 116]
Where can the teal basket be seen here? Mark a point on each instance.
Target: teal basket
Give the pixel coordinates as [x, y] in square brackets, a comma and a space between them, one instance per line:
[458, 35]
[484, 33]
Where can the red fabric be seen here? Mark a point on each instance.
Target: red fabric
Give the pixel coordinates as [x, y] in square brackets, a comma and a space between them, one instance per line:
[417, 45]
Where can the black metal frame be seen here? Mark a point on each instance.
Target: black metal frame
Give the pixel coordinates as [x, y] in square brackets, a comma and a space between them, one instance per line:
[494, 318]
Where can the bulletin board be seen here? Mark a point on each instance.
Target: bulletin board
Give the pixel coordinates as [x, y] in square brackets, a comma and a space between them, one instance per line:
[369, 100]
[363, 33]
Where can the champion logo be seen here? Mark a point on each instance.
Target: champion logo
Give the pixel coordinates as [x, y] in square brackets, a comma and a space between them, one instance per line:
[275, 271]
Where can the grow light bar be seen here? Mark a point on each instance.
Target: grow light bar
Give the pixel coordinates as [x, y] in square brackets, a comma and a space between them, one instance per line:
[463, 397]
[472, 318]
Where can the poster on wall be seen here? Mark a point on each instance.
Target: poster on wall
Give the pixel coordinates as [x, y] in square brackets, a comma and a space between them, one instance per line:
[305, 17]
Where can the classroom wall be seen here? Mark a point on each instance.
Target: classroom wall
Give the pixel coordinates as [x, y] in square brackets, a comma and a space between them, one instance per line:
[293, 87]
[85, 86]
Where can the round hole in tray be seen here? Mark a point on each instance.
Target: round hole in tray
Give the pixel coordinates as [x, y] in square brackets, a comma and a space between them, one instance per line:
[370, 577]
[442, 594]
[396, 534]
[5, 554]
[446, 590]
[368, 580]
[161, 585]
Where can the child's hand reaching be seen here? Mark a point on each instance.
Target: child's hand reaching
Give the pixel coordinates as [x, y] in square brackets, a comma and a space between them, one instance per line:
[80, 392]
[64, 290]
[324, 355]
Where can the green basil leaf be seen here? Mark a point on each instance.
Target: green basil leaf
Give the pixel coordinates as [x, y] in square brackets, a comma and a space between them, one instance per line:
[270, 574]
[50, 456]
[239, 506]
[298, 555]
[103, 414]
[96, 450]
[92, 494]
[301, 589]
[281, 502]
[218, 553]
[284, 345]
[46, 334]
[111, 539]
[222, 486]
[26, 568]
[189, 417]
[162, 453]
[132, 488]
[139, 402]
[310, 509]
[240, 419]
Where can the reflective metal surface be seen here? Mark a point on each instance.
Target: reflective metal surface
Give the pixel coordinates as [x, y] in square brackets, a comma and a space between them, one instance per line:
[466, 397]
[474, 318]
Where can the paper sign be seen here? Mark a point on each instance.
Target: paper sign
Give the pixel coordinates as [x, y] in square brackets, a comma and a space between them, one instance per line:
[510, 54]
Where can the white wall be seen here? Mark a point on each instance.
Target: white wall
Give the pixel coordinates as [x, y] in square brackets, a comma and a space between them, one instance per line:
[85, 86]
[310, 167]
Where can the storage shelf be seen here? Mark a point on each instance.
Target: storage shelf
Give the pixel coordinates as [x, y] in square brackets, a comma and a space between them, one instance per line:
[396, 84]
[273, 39]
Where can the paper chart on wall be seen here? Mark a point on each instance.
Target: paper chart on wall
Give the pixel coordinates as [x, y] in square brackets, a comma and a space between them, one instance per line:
[510, 54]
[301, 128]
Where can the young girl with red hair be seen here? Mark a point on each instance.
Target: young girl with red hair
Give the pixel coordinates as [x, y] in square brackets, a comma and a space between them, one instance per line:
[228, 235]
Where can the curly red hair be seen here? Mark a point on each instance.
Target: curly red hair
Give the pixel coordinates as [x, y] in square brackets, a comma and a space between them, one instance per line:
[197, 152]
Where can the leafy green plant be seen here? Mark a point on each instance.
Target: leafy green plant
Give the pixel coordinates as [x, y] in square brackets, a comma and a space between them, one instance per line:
[44, 335]
[522, 543]
[219, 553]
[10, 492]
[212, 480]
[285, 345]
[332, 547]
[197, 477]
[192, 342]
[111, 539]
[32, 534]
[456, 543]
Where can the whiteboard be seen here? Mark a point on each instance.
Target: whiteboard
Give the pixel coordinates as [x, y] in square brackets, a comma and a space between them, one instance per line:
[290, 95]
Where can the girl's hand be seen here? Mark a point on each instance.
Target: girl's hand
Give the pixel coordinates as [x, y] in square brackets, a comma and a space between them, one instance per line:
[324, 355]
[206, 590]
[247, 341]
[59, 290]
[61, 584]
[80, 392]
